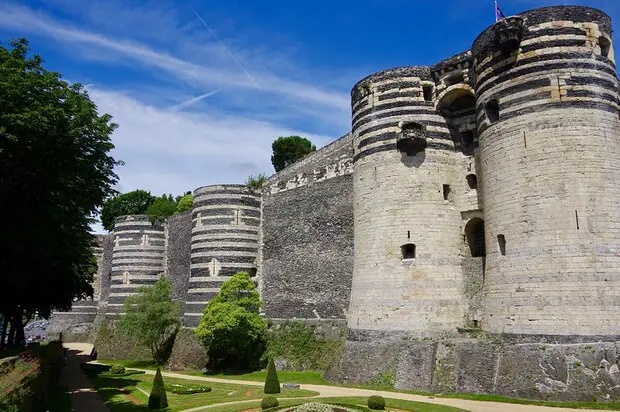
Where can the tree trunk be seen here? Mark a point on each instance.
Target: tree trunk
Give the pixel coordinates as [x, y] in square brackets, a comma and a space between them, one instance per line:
[11, 340]
[5, 325]
[20, 339]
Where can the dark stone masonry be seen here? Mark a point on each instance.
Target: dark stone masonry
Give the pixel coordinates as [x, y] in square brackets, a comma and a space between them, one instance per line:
[466, 231]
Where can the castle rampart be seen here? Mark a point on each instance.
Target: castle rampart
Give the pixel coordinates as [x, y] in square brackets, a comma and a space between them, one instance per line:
[466, 229]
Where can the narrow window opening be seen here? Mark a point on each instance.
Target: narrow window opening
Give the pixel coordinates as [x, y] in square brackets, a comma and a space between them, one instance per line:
[492, 111]
[408, 251]
[524, 140]
[501, 242]
[467, 140]
[605, 45]
[408, 234]
[446, 192]
[474, 231]
[472, 181]
[577, 219]
[427, 90]
[475, 323]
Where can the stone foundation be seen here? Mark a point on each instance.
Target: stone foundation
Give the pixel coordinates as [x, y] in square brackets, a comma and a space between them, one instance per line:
[583, 371]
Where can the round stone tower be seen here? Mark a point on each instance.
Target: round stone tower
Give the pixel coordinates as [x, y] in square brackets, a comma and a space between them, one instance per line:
[225, 230]
[549, 136]
[137, 258]
[407, 274]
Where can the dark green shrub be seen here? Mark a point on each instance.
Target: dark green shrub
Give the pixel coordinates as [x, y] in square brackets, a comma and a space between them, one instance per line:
[117, 370]
[158, 399]
[376, 403]
[269, 402]
[272, 384]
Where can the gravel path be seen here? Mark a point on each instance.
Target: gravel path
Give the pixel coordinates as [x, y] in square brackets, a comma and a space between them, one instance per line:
[334, 391]
[84, 396]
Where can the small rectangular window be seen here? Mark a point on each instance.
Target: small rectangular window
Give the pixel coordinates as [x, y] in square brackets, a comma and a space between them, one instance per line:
[605, 45]
[427, 90]
[446, 192]
[501, 243]
[408, 251]
[472, 181]
[492, 111]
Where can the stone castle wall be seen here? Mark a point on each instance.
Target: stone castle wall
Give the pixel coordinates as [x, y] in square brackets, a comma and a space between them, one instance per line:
[466, 229]
[307, 236]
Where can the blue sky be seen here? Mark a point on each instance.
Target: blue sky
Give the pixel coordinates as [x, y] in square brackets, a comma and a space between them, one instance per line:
[200, 89]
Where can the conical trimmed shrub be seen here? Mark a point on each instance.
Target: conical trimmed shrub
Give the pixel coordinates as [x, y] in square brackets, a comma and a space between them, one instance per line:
[272, 384]
[158, 398]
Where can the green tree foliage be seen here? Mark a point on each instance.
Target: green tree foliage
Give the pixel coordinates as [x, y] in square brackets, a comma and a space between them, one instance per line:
[269, 402]
[158, 398]
[288, 150]
[376, 402]
[55, 172]
[231, 328]
[185, 203]
[272, 383]
[256, 182]
[162, 208]
[130, 203]
[152, 318]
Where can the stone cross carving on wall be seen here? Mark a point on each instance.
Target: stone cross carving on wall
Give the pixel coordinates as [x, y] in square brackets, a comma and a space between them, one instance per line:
[214, 267]
[145, 240]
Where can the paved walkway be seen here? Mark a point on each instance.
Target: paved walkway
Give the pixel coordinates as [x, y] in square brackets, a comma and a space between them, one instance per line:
[333, 391]
[84, 396]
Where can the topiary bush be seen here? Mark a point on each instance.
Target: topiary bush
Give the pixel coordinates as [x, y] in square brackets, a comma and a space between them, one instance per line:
[272, 384]
[117, 370]
[269, 402]
[376, 402]
[158, 399]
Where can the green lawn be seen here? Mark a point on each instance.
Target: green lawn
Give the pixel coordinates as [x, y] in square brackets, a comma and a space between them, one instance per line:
[346, 401]
[317, 379]
[314, 378]
[109, 387]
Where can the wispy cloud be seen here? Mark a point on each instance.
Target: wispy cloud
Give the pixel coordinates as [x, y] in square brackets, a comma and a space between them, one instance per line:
[190, 102]
[198, 75]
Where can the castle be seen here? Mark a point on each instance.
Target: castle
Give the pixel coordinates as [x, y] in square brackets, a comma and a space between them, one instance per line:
[467, 230]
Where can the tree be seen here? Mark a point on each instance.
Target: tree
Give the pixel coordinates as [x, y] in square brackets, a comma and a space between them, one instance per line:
[231, 328]
[162, 208]
[272, 383]
[55, 172]
[158, 398]
[130, 203]
[152, 318]
[185, 203]
[288, 150]
[256, 182]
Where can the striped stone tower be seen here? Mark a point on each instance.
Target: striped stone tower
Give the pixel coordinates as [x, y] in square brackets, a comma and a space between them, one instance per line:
[225, 232]
[407, 275]
[547, 106]
[137, 258]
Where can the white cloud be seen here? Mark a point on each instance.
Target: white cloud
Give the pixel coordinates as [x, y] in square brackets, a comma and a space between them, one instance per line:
[172, 152]
[217, 73]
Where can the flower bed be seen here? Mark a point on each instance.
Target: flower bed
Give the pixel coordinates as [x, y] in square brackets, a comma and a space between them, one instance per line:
[179, 389]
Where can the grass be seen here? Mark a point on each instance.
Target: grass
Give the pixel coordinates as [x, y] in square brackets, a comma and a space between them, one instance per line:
[313, 378]
[109, 387]
[346, 401]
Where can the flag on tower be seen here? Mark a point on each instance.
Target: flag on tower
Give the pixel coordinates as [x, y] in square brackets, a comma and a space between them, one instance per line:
[498, 13]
